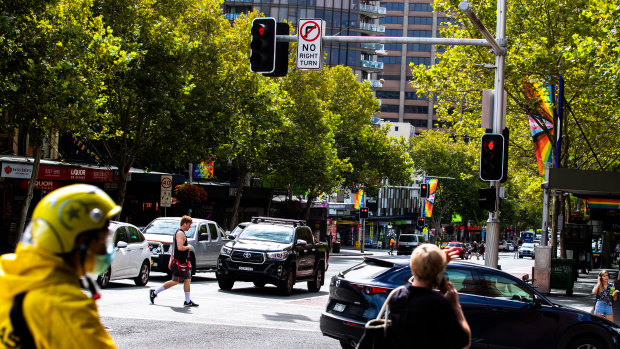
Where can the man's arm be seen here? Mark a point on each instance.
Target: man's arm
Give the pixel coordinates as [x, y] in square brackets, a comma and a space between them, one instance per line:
[181, 241]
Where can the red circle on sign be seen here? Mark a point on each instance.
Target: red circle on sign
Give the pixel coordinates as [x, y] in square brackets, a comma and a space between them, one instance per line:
[166, 182]
[312, 33]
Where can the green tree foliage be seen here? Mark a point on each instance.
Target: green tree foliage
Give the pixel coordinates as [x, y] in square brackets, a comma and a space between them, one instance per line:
[440, 154]
[253, 110]
[54, 58]
[166, 92]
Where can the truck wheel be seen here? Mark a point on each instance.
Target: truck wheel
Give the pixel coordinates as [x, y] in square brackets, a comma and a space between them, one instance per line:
[315, 284]
[225, 283]
[286, 287]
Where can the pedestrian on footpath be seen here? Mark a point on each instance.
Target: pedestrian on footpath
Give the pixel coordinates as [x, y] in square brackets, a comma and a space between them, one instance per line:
[180, 252]
[604, 294]
[42, 304]
[392, 245]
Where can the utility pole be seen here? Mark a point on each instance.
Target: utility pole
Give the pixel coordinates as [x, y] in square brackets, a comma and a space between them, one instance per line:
[499, 48]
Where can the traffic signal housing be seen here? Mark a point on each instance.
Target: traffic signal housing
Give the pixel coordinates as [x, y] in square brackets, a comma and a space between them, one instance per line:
[363, 212]
[421, 222]
[423, 190]
[486, 199]
[491, 157]
[263, 45]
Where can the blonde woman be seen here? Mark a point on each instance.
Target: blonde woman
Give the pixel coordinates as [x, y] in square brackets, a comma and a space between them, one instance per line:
[422, 318]
[604, 294]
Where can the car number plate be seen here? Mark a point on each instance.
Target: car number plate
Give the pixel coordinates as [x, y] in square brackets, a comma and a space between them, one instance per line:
[246, 268]
[339, 307]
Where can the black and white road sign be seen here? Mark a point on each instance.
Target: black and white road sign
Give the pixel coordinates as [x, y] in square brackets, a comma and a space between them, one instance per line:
[309, 44]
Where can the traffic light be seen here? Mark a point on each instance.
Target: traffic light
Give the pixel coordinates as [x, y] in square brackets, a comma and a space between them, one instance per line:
[421, 222]
[423, 190]
[263, 45]
[486, 199]
[506, 134]
[281, 64]
[491, 157]
[363, 212]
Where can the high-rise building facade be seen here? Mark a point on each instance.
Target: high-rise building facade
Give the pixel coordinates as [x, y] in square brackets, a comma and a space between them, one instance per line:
[385, 66]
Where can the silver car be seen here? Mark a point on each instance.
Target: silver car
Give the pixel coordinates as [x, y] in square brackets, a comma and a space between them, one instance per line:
[132, 258]
[205, 238]
[526, 250]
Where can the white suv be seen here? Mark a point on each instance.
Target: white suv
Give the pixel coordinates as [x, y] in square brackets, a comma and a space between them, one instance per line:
[408, 242]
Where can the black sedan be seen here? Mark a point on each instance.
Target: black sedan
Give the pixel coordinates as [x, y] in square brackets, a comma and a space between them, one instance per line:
[502, 311]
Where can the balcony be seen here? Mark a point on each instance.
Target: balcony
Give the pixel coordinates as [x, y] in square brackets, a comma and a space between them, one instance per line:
[372, 11]
[374, 28]
[372, 65]
[375, 84]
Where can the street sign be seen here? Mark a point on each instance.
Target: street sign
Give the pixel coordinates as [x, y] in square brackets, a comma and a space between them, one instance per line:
[309, 44]
[166, 191]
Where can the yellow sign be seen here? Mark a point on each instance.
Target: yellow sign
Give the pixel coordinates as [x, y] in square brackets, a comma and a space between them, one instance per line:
[425, 230]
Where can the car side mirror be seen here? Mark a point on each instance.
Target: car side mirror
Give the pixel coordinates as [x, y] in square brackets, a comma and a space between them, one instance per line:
[301, 242]
[121, 244]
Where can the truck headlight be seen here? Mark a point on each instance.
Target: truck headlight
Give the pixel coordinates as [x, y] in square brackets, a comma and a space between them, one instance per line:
[277, 255]
[226, 250]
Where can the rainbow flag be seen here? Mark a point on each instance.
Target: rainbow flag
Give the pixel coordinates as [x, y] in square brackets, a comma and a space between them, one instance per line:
[608, 204]
[430, 200]
[358, 199]
[541, 120]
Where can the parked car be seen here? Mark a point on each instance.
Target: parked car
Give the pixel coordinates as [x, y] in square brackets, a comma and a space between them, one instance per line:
[205, 238]
[408, 242]
[496, 305]
[510, 247]
[238, 229]
[132, 258]
[274, 251]
[527, 250]
[460, 247]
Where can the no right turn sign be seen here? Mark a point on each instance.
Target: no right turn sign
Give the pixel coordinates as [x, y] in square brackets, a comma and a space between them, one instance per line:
[309, 44]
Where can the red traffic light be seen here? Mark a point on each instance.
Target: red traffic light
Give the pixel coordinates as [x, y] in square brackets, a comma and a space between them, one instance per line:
[489, 145]
[261, 30]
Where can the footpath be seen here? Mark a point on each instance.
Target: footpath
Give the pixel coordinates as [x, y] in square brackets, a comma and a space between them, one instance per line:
[581, 298]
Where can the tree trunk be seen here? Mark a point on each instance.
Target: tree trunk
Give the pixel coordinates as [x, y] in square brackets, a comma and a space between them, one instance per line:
[554, 229]
[38, 153]
[235, 211]
[307, 208]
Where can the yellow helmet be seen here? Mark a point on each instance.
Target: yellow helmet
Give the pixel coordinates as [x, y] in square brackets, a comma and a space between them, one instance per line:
[67, 212]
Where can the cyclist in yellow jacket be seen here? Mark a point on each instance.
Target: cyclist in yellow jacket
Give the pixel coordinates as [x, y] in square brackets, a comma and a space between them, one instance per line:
[41, 301]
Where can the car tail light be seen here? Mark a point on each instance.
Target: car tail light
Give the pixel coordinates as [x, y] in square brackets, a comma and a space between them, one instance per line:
[353, 324]
[370, 290]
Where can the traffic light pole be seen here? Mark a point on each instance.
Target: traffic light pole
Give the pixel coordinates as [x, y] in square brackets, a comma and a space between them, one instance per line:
[499, 47]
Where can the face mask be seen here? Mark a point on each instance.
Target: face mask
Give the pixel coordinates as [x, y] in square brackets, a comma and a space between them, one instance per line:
[95, 264]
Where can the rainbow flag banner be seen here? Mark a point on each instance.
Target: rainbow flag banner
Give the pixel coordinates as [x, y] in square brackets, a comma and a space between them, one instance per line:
[608, 204]
[541, 121]
[358, 199]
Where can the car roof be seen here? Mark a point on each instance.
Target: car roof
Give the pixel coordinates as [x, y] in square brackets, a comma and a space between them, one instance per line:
[194, 220]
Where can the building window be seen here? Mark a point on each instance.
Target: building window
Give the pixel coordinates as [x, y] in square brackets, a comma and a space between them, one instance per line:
[389, 108]
[420, 20]
[388, 94]
[416, 109]
[394, 6]
[391, 20]
[421, 7]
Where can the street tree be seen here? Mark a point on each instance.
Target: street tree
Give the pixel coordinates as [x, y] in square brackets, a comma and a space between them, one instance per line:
[305, 154]
[440, 154]
[55, 57]
[548, 41]
[254, 110]
[165, 103]
[373, 155]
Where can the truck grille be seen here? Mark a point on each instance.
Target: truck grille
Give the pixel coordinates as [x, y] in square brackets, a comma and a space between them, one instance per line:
[248, 257]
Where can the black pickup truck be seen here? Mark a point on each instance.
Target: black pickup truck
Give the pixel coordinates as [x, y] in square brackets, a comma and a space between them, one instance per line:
[274, 251]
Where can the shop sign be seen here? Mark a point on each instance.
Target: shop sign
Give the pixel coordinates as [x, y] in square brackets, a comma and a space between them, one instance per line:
[97, 175]
[52, 173]
[41, 184]
[78, 174]
[12, 170]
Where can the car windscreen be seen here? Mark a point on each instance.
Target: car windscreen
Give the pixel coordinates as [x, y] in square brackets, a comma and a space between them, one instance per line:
[456, 244]
[372, 269]
[266, 232]
[167, 227]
